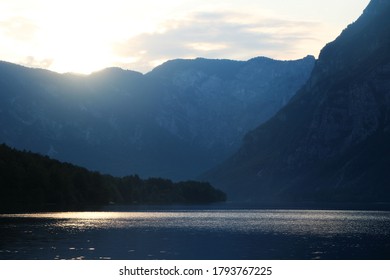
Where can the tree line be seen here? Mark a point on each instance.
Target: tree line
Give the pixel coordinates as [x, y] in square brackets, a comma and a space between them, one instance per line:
[32, 182]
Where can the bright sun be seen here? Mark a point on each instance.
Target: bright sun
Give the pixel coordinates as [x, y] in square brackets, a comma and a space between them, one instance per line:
[77, 41]
[82, 55]
[80, 35]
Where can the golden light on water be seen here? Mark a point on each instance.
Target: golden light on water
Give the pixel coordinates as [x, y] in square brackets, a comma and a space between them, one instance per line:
[192, 233]
[271, 221]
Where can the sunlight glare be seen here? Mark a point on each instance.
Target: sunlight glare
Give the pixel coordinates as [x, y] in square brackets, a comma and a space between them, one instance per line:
[81, 36]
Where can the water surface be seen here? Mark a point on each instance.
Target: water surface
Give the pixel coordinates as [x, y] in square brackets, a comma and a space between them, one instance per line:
[197, 234]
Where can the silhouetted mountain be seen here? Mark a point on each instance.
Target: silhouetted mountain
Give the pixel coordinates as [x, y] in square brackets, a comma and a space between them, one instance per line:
[332, 141]
[176, 121]
[31, 182]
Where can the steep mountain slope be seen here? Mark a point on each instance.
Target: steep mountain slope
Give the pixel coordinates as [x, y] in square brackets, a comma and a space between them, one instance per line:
[331, 142]
[212, 104]
[173, 122]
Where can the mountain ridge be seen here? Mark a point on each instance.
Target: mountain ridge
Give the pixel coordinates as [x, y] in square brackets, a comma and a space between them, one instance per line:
[318, 147]
[173, 122]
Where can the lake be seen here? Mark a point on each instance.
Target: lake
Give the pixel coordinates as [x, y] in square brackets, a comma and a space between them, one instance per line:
[196, 234]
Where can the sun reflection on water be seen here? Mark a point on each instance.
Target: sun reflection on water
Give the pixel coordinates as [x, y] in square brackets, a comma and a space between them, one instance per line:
[192, 234]
[265, 221]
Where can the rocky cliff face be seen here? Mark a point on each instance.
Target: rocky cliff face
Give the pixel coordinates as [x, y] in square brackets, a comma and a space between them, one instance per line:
[331, 141]
[175, 121]
[212, 104]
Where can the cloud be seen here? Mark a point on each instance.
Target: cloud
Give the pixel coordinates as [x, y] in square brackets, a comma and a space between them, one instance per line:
[18, 28]
[19, 41]
[31, 61]
[218, 35]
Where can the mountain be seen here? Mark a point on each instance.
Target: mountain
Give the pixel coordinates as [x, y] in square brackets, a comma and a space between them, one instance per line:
[175, 121]
[331, 143]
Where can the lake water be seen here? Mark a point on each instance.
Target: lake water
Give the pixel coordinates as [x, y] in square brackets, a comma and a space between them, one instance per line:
[197, 234]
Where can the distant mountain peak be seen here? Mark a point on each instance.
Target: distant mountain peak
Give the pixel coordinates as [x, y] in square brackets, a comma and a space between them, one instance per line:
[113, 71]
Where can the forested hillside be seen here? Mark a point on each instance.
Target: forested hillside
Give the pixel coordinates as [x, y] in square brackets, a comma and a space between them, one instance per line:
[31, 182]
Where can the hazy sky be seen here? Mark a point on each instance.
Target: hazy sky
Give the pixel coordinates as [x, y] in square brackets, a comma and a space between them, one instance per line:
[84, 36]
